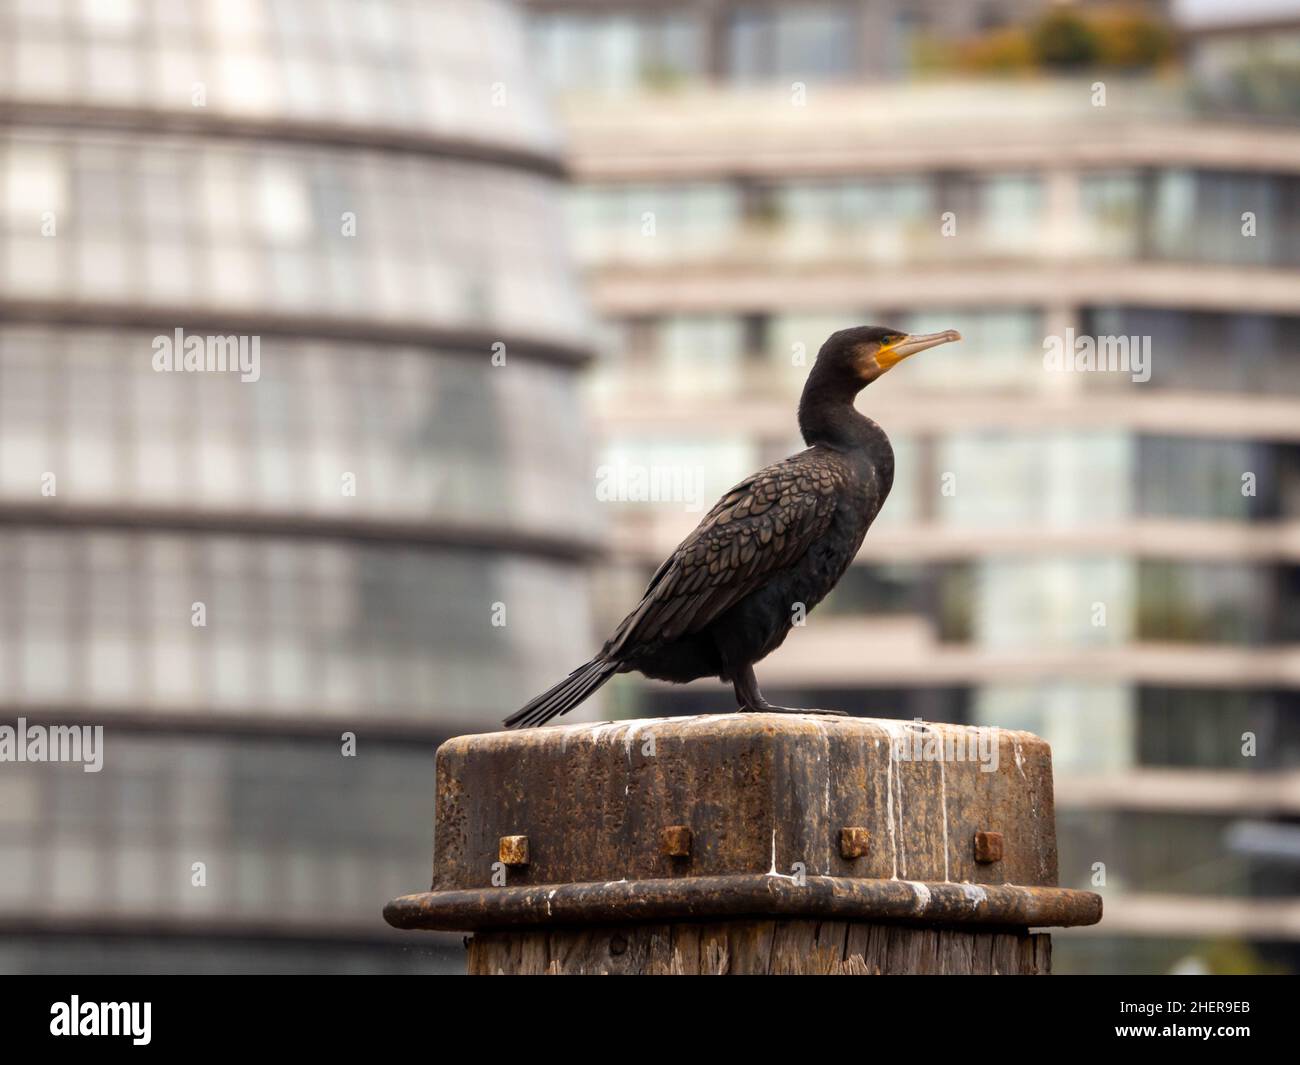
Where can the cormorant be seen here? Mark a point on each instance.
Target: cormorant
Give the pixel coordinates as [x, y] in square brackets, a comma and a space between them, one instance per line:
[728, 596]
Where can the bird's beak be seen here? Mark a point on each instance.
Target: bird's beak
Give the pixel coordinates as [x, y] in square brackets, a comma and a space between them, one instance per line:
[910, 345]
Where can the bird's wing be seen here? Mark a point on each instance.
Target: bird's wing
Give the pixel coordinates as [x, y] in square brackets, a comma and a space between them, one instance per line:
[764, 524]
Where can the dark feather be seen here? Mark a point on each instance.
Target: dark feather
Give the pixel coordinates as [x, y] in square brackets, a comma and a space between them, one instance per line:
[733, 551]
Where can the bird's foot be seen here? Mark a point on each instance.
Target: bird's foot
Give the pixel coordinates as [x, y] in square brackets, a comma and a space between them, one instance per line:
[769, 708]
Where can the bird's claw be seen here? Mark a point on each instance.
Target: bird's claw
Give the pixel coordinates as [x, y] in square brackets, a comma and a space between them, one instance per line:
[768, 708]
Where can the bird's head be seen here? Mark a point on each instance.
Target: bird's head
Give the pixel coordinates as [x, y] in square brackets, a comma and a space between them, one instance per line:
[862, 354]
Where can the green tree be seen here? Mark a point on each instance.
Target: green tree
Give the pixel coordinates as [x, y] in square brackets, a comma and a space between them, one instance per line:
[1063, 41]
[1131, 40]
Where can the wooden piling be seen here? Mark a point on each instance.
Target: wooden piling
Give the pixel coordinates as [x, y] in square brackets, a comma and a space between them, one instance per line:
[747, 843]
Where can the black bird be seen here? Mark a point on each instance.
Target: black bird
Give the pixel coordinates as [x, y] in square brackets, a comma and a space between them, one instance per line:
[778, 541]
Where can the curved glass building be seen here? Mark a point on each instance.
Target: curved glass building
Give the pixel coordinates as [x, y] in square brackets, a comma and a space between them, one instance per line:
[275, 587]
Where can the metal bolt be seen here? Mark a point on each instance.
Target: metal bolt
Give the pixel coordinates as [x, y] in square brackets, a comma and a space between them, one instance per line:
[513, 850]
[854, 842]
[988, 847]
[675, 841]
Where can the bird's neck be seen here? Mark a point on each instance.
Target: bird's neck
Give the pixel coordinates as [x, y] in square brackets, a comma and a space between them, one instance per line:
[827, 417]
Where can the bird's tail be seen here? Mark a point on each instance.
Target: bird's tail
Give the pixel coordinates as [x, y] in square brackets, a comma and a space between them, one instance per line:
[564, 696]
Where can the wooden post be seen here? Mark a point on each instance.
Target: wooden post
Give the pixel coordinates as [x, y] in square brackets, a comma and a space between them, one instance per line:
[747, 843]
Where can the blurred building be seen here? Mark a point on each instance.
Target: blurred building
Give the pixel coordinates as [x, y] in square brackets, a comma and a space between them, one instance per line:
[1246, 54]
[1109, 559]
[381, 533]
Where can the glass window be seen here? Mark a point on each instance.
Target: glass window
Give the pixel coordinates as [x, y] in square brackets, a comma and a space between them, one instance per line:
[1090, 726]
[431, 435]
[1207, 728]
[1234, 217]
[108, 618]
[1163, 853]
[1036, 479]
[321, 232]
[315, 832]
[1214, 602]
[808, 42]
[1053, 602]
[1203, 350]
[1112, 206]
[1010, 212]
[1206, 479]
[332, 62]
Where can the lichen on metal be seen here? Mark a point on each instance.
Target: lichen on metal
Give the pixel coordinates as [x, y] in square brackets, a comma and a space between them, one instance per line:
[855, 842]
